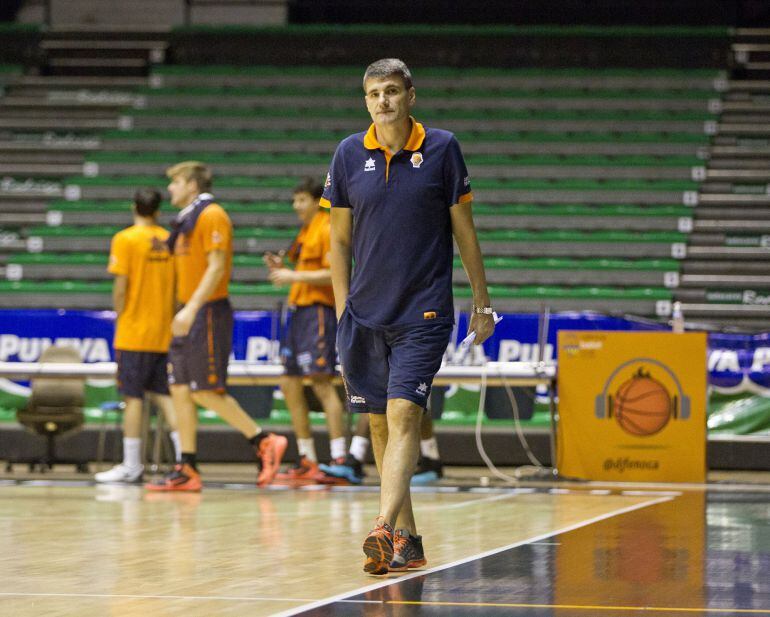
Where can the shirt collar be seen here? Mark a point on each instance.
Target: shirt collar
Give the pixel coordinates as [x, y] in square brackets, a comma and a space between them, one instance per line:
[416, 137]
[191, 206]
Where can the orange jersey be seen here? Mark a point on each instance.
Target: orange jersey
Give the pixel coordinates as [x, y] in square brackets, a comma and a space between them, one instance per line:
[140, 254]
[310, 251]
[213, 231]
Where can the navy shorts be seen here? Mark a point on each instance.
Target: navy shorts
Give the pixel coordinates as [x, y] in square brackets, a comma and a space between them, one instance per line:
[378, 365]
[308, 347]
[200, 359]
[140, 372]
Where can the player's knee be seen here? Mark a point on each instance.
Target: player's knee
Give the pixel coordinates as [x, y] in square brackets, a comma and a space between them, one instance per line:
[403, 417]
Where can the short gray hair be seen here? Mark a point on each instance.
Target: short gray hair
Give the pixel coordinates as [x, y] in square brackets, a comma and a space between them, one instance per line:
[387, 67]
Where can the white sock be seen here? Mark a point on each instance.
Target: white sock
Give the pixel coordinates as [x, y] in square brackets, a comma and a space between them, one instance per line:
[337, 447]
[429, 448]
[358, 447]
[306, 448]
[175, 439]
[132, 452]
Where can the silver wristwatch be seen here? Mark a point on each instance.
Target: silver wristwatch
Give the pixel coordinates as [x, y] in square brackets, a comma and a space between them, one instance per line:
[482, 310]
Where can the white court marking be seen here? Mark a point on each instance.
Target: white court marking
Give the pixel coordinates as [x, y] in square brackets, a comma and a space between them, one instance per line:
[460, 562]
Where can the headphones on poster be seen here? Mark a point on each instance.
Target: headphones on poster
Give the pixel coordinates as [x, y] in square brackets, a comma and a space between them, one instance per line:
[600, 403]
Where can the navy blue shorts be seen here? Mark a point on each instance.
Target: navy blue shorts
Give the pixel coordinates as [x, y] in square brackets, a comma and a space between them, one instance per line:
[308, 347]
[378, 365]
[140, 372]
[200, 359]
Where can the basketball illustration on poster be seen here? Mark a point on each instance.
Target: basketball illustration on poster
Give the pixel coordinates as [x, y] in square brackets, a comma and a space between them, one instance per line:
[632, 406]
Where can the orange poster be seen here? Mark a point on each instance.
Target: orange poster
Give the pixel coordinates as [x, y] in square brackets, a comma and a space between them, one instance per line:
[632, 406]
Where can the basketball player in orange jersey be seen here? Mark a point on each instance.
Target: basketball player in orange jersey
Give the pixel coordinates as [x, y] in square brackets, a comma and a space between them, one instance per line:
[201, 241]
[309, 347]
[143, 299]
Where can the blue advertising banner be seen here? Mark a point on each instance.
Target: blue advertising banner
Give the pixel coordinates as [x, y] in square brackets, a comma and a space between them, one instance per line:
[737, 363]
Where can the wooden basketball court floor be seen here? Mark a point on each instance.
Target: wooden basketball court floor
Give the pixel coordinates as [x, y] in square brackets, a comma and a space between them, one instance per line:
[69, 548]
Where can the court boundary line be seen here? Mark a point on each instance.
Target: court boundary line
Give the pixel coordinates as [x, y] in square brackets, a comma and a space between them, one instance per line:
[29, 594]
[459, 562]
[586, 607]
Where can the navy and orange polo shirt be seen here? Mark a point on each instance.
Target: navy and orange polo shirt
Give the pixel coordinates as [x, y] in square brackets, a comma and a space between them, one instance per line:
[402, 232]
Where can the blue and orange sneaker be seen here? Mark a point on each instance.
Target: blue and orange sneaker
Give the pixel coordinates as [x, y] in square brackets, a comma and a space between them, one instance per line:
[182, 478]
[428, 471]
[407, 552]
[378, 548]
[348, 468]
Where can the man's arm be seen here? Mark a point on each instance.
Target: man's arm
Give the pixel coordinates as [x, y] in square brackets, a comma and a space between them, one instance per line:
[287, 276]
[464, 232]
[119, 291]
[183, 320]
[340, 257]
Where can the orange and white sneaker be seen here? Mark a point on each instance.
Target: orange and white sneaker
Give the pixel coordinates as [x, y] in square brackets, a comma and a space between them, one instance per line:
[182, 478]
[407, 552]
[378, 548]
[269, 454]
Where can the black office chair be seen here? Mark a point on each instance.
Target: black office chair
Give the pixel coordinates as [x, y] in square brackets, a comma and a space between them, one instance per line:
[55, 407]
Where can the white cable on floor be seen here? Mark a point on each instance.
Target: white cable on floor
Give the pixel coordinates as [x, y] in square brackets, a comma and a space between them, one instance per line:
[536, 467]
[479, 445]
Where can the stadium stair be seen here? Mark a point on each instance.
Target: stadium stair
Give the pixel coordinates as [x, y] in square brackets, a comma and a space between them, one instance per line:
[724, 274]
[611, 190]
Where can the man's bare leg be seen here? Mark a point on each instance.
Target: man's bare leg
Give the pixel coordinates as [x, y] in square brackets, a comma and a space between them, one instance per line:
[132, 417]
[293, 390]
[334, 411]
[166, 405]
[269, 448]
[228, 409]
[395, 441]
[131, 468]
[186, 417]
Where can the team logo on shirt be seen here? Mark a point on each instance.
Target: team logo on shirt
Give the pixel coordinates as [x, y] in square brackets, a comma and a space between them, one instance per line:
[466, 180]
[422, 389]
[216, 237]
[369, 165]
[416, 160]
[328, 182]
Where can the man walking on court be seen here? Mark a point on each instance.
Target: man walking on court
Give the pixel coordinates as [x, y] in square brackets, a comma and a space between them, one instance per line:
[202, 243]
[398, 194]
[143, 299]
[309, 345]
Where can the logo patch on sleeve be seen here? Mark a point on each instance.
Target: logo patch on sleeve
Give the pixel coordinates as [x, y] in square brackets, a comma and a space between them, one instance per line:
[429, 315]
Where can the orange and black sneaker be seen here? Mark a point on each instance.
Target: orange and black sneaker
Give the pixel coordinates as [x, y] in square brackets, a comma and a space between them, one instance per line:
[305, 469]
[378, 548]
[183, 478]
[303, 472]
[269, 455]
[407, 552]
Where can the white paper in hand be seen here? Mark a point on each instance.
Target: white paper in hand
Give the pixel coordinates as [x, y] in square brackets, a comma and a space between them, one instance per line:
[466, 342]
